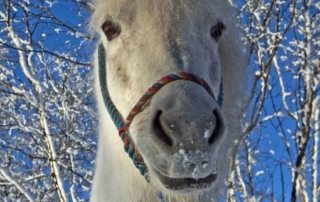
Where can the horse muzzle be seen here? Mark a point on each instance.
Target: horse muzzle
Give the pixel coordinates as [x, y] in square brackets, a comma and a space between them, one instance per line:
[186, 130]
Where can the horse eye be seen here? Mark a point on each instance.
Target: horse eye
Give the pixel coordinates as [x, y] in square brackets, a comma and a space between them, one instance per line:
[111, 30]
[216, 30]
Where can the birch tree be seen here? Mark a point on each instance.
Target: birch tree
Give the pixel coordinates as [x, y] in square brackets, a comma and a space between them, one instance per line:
[47, 116]
[47, 107]
[279, 157]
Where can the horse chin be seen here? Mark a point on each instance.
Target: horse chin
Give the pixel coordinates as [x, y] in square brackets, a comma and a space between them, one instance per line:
[186, 185]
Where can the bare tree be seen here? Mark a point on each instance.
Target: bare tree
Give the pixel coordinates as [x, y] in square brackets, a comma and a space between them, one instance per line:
[47, 107]
[47, 118]
[279, 159]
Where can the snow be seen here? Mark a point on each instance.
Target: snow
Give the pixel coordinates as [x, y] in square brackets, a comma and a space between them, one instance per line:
[2, 76]
[284, 74]
[35, 112]
[257, 73]
[272, 152]
[261, 172]
[57, 30]
[187, 159]
[17, 184]
[207, 133]
[204, 164]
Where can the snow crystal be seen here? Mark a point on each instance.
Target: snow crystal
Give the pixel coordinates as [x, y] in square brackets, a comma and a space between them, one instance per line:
[195, 173]
[204, 164]
[257, 73]
[272, 152]
[2, 76]
[79, 34]
[57, 30]
[261, 172]
[283, 58]
[207, 133]
[181, 151]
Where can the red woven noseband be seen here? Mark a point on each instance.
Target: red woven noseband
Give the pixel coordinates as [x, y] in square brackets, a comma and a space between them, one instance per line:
[123, 131]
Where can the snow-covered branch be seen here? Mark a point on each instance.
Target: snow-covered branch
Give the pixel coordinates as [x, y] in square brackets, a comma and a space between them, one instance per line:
[46, 108]
[281, 122]
[15, 182]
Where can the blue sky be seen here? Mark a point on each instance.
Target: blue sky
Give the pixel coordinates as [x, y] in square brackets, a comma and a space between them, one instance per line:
[63, 37]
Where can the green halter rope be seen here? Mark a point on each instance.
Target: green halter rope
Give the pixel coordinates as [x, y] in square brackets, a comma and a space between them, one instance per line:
[123, 125]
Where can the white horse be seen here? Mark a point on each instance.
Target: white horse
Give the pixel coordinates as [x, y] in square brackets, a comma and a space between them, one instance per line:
[182, 134]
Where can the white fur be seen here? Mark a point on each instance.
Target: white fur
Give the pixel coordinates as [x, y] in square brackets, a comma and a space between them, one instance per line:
[133, 68]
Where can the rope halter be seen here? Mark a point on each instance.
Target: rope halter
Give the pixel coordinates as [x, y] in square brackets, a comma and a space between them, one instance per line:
[124, 125]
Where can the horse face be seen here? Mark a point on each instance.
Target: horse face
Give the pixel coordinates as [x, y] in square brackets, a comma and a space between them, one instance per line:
[180, 130]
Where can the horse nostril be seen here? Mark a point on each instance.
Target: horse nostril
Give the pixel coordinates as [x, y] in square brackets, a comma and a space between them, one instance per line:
[218, 131]
[159, 131]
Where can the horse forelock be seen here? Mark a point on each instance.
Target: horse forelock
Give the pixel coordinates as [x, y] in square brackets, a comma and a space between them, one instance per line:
[164, 10]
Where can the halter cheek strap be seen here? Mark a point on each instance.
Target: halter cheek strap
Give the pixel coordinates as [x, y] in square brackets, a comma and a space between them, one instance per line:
[123, 125]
